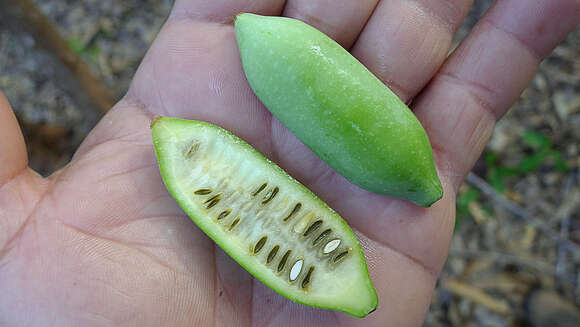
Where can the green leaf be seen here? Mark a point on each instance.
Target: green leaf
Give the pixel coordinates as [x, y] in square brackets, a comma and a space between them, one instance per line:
[532, 162]
[488, 209]
[490, 159]
[507, 172]
[76, 45]
[559, 161]
[536, 139]
[495, 179]
[466, 198]
[93, 51]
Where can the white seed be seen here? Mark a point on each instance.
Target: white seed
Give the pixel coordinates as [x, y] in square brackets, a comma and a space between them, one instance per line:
[296, 269]
[331, 246]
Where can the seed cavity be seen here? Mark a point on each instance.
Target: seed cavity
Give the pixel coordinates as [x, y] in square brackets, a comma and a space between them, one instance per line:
[272, 253]
[260, 244]
[259, 189]
[234, 223]
[192, 149]
[340, 256]
[213, 200]
[294, 211]
[301, 225]
[296, 270]
[270, 195]
[203, 191]
[306, 280]
[331, 246]
[313, 227]
[224, 214]
[283, 261]
[322, 236]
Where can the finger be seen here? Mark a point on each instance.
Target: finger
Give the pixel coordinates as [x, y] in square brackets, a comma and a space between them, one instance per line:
[193, 70]
[205, 80]
[404, 288]
[405, 42]
[224, 11]
[13, 156]
[341, 20]
[487, 73]
[17, 189]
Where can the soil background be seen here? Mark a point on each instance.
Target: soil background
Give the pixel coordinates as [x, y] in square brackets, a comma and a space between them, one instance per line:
[518, 214]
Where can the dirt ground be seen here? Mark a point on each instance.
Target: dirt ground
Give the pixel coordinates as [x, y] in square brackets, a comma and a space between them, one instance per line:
[518, 215]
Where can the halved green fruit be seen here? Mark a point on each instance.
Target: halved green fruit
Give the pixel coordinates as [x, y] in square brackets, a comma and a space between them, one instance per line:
[267, 221]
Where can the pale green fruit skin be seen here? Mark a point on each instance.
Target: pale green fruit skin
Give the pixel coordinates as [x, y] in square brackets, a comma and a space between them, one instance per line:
[357, 299]
[337, 107]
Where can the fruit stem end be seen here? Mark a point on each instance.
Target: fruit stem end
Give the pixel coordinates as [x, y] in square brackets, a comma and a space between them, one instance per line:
[155, 121]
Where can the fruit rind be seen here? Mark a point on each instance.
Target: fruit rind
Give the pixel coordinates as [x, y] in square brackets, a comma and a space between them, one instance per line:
[164, 127]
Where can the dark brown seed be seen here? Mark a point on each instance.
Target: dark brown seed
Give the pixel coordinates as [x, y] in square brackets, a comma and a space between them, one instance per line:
[294, 211]
[212, 203]
[234, 223]
[203, 191]
[260, 189]
[270, 195]
[313, 227]
[213, 200]
[322, 236]
[215, 197]
[272, 253]
[283, 261]
[224, 214]
[192, 149]
[306, 280]
[340, 256]
[260, 244]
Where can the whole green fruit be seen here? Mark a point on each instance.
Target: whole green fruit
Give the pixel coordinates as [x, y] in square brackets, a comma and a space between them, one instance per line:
[337, 107]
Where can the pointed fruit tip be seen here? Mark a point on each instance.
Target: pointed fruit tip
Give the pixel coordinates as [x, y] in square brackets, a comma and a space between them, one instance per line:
[237, 16]
[438, 194]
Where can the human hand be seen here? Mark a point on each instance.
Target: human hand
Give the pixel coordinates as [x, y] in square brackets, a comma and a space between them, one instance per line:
[101, 242]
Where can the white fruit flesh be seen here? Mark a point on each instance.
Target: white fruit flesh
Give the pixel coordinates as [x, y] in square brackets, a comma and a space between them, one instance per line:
[249, 207]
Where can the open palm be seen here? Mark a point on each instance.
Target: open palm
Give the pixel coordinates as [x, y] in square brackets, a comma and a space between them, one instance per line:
[101, 242]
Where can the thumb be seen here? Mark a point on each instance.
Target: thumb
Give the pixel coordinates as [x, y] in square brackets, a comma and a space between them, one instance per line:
[13, 156]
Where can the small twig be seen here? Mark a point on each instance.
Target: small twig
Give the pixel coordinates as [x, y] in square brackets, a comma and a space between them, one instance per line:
[577, 293]
[477, 296]
[561, 263]
[519, 211]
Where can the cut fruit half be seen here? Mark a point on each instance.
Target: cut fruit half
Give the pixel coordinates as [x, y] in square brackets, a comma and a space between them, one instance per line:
[268, 222]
